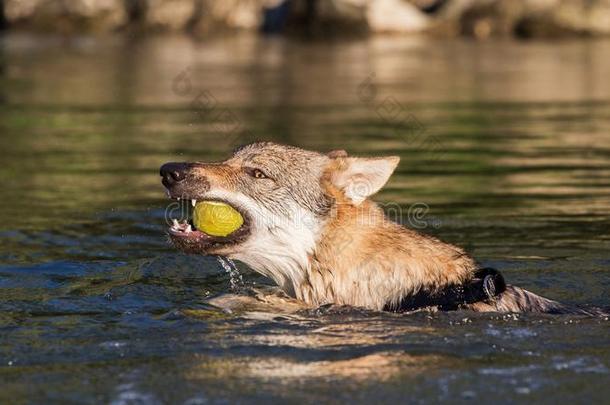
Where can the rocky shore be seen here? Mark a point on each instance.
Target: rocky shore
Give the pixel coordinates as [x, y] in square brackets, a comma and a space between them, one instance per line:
[476, 18]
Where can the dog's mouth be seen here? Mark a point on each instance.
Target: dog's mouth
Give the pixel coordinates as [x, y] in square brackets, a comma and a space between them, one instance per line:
[186, 235]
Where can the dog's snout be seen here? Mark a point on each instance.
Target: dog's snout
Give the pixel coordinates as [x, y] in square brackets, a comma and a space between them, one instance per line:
[173, 173]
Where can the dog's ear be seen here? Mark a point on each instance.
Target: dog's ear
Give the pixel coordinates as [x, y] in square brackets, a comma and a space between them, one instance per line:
[360, 178]
[337, 153]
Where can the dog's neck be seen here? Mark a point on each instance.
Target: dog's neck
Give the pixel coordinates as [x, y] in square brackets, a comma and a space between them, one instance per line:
[281, 248]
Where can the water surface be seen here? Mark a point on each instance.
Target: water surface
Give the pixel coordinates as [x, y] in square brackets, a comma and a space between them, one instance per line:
[505, 147]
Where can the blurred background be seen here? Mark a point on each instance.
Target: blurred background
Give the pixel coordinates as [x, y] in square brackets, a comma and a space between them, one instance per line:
[478, 18]
[499, 109]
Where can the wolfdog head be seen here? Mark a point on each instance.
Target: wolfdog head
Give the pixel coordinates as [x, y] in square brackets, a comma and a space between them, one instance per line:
[285, 194]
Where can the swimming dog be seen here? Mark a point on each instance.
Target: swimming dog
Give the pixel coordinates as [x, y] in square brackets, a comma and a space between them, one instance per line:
[309, 225]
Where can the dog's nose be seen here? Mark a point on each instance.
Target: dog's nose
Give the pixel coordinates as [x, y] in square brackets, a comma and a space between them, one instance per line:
[173, 173]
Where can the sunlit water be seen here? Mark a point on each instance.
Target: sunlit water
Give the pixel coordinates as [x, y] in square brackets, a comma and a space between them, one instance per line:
[505, 151]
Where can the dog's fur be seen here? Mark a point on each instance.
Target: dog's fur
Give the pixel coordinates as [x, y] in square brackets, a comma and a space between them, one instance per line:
[311, 228]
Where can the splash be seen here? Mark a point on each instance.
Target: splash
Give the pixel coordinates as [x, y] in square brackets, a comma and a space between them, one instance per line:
[236, 279]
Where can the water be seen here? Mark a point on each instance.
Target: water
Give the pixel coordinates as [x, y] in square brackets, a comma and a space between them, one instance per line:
[505, 151]
[235, 278]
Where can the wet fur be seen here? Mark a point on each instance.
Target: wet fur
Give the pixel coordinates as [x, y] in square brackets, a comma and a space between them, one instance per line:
[318, 236]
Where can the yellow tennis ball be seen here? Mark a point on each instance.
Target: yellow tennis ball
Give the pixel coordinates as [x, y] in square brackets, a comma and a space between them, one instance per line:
[216, 218]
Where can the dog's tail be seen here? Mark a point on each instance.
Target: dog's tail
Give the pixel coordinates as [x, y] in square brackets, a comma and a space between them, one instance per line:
[515, 299]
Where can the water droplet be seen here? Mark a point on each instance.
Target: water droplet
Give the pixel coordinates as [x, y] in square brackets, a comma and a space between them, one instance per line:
[236, 280]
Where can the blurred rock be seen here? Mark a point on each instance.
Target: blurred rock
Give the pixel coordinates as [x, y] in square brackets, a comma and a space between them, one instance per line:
[327, 18]
[395, 16]
[568, 18]
[354, 16]
[525, 18]
[483, 18]
[171, 15]
[73, 15]
[231, 14]
[429, 6]
[205, 16]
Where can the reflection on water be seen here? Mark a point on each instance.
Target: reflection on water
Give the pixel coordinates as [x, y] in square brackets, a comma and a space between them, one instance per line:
[95, 306]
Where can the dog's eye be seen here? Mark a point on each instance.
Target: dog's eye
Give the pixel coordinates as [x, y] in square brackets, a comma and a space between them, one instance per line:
[257, 173]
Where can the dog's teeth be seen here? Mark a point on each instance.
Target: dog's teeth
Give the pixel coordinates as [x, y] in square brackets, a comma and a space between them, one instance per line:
[193, 202]
[188, 229]
[175, 222]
